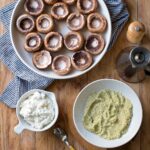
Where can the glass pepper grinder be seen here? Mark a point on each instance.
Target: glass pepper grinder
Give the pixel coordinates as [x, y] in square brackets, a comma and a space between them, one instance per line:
[133, 63]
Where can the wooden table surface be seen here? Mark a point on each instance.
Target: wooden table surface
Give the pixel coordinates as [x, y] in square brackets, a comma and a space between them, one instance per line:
[66, 92]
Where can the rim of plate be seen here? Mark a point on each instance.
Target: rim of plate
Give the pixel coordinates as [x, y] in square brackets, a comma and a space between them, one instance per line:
[135, 132]
[60, 77]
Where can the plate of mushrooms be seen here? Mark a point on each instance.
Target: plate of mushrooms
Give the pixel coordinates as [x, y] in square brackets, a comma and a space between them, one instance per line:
[60, 39]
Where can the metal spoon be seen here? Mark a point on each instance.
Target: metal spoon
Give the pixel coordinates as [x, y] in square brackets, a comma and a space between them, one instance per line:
[60, 133]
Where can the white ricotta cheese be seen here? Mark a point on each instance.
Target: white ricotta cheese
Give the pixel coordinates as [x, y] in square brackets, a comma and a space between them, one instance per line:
[37, 110]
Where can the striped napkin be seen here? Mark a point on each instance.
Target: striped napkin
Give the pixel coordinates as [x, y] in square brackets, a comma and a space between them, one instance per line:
[24, 79]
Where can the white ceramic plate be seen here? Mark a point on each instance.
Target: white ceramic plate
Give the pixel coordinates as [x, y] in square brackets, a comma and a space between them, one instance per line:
[18, 39]
[99, 85]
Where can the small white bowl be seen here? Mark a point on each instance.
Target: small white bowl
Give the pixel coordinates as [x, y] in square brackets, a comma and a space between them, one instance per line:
[99, 85]
[23, 124]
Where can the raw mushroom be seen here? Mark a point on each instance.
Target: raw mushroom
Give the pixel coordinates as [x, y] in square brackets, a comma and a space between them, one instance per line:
[87, 6]
[76, 21]
[94, 44]
[81, 60]
[44, 23]
[53, 41]
[59, 11]
[34, 7]
[61, 64]
[50, 2]
[69, 2]
[25, 23]
[74, 41]
[96, 23]
[33, 42]
[42, 59]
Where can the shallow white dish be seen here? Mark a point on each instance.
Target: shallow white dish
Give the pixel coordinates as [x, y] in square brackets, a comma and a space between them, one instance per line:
[99, 85]
[22, 125]
[18, 39]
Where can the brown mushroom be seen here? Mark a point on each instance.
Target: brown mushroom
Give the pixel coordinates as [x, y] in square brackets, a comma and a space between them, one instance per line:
[74, 41]
[34, 7]
[25, 23]
[33, 42]
[61, 64]
[87, 6]
[42, 59]
[96, 23]
[44, 23]
[81, 60]
[53, 41]
[94, 44]
[69, 2]
[76, 21]
[50, 2]
[59, 11]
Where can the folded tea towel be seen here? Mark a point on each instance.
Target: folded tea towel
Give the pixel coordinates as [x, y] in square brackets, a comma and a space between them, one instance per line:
[24, 78]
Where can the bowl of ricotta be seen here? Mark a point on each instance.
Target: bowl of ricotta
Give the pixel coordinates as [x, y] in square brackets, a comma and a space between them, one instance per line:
[107, 113]
[37, 110]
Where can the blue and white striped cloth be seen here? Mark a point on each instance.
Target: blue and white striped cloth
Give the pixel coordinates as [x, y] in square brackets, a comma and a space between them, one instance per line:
[25, 79]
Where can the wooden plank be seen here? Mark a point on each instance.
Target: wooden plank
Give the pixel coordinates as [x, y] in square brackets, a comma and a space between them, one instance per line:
[133, 9]
[143, 16]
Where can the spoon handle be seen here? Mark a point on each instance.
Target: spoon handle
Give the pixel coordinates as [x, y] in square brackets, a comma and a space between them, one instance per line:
[71, 148]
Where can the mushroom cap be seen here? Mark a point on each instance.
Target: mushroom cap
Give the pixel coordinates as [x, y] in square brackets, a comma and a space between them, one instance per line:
[50, 2]
[94, 44]
[69, 2]
[33, 42]
[96, 23]
[81, 60]
[61, 64]
[87, 6]
[59, 11]
[44, 23]
[74, 41]
[42, 59]
[76, 21]
[25, 23]
[34, 7]
[53, 41]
